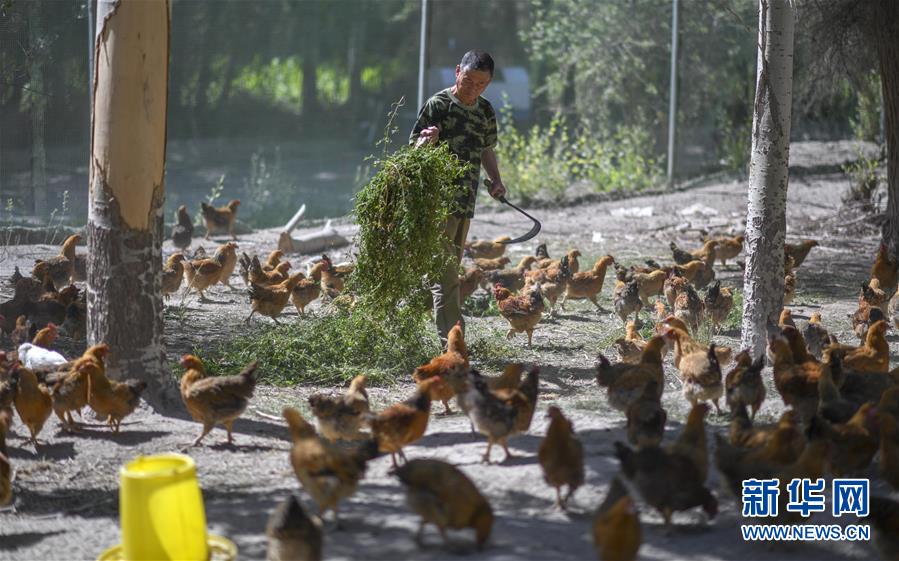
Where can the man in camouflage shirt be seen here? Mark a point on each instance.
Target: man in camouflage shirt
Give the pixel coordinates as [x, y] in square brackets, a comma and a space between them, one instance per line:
[466, 121]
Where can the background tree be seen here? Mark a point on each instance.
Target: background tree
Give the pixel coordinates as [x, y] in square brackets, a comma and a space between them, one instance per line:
[766, 215]
[127, 190]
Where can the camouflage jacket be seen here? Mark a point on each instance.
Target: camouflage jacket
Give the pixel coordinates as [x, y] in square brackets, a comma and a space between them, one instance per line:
[468, 129]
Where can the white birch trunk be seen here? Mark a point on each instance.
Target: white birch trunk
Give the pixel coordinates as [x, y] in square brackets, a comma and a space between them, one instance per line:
[125, 221]
[763, 281]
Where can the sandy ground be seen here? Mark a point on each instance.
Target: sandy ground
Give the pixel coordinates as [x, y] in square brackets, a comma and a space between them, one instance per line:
[66, 493]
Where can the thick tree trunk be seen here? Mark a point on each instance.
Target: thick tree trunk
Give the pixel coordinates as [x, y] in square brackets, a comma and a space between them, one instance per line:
[886, 33]
[127, 191]
[38, 95]
[763, 281]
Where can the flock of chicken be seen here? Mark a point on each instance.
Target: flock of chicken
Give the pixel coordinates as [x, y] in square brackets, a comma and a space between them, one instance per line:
[843, 399]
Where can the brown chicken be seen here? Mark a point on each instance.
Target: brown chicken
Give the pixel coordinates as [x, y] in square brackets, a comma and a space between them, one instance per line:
[251, 271]
[329, 473]
[183, 229]
[815, 335]
[510, 279]
[718, 304]
[799, 251]
[341, 417]
[699, 273]
[797, 383]
[403, 423]
[271, 300]
[884, 517]
[172, 273]
[626, 382]
[522, 312]
[728, 248]
[454, 362]
[21, 333]
[864, 317]
[483, 249]
[60, 269]
[215, 400]
[781, 443]
[680, 256]
[689, 308]
[489, 414]
[201, 274]
[469, 282]
[292, 534]
[491, 264]
[33, 401]
[226, 254]
[889, 449]
[854, 443]
[653, 471]
[701, 374]
[626, 300]
[46, 337]
[561, 456]
[630, 347]
[71, 392]
[674, 285]
[646, 418]
[650, 284]
[273, 260]
[111, 400]
[553, 282]
[874, 355]
[588, 284]
[304, 293]
[522, 397]
[675, 332]
[692, 443]
[443, 496]
[743, 384]
[616, 526]
[221, 218]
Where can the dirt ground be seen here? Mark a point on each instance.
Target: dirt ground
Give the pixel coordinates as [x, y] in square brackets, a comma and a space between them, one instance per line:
[66, 492]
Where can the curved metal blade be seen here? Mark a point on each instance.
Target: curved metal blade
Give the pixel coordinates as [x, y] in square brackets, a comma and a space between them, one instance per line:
[535, 229]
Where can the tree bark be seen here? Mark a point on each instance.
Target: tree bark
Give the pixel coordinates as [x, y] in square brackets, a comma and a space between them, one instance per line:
[763, 281]
[38, 96]
[886, 37]
[130, 92]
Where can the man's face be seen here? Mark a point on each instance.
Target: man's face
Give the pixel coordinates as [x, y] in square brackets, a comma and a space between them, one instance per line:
[471, 83]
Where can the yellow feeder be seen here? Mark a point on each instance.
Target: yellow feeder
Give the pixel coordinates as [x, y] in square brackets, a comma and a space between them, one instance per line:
[162, 515]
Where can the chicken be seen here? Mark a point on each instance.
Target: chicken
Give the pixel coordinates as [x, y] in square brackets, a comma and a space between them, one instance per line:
[874, 355]
[111, 400]
[692, 443]
[553, 282]
[588, 284]
[789, 288]
[405, 422]
[46, 336]
[332, 280]
[272, 261]
[215, 400]
[698, 273]
[701, 374]
[689, 308]
[482, 249]
[292, 534]
[304, 293]
[172, 273]
[32, 401]
[884, 517]
[797, 382]
[183, 229]
[799, 251]
[831, 405]
[873, 295]
[38, 357]
[743, 384]
[630, 347]
[864, 317]
[469, 282]
[5, 467]
[815, 335]
[674, 284]
[626, 382]
[718, 304]
[221, 218]
[522, 312]
[781, 443]
[341, 417]
[573, 263]
[60, 269]
[654, 472]
[650, 284]
[443, 496]
[329, 473]
[226, 254]
[626, 300]
[491, 264]
[680, 256]
[675, 333]
[271, 300]
[616, 526]
[728, 248]
[21, 332]
[646, 418]
[889, 449]
[561, 456]
[510, 279]
[453, 362]
[854, 443]
[523, 398]
[70, 393]
[201, 274]
[490, 415]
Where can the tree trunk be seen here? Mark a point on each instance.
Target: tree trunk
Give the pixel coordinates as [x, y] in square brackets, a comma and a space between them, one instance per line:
[124, 303]
[886, 36]
[766, 216]
[38, 96]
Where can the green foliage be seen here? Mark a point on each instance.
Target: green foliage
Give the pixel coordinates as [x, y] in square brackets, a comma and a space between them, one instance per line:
[863, 180]
[480, 304]
[271, 192]
[624, 163]
[735, 148]
[278, 80]
[866, 122]
[734, 321]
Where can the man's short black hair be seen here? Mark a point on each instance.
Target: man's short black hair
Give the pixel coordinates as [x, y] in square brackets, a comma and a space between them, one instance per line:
[477, 60]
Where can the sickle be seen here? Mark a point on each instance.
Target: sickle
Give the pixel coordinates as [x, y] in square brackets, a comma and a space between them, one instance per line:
[535, 229]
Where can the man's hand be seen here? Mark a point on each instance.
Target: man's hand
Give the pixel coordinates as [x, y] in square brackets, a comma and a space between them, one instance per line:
[428, 136]
[496, 189]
